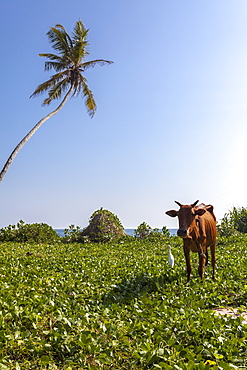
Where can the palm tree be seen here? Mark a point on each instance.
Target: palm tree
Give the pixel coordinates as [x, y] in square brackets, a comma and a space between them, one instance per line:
[69, 65]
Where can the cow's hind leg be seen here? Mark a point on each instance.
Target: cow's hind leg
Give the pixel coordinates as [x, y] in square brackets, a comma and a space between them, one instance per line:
[213, 258]
[202, 252]
[201, 267]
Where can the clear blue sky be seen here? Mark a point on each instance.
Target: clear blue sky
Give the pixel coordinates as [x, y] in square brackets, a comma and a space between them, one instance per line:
[171, 122]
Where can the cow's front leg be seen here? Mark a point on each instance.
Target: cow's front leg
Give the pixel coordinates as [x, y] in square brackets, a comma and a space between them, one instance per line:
[187, 259]
[206, 263]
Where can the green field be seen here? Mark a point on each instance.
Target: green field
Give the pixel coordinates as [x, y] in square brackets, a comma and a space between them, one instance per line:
[120, 306]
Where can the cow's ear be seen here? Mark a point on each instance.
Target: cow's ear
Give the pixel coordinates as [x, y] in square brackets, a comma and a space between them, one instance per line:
[210, 208]
[172, 213]
[199, 211]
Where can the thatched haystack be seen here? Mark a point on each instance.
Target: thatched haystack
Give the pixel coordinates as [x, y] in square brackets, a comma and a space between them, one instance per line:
[103, 227]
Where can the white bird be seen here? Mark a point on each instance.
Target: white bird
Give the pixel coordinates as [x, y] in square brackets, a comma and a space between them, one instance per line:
[170, 256]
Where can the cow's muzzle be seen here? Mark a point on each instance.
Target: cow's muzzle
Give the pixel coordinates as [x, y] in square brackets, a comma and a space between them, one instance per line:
[182, 233]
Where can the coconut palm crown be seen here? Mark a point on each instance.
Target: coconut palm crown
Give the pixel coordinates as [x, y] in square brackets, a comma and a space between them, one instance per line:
[69, 65]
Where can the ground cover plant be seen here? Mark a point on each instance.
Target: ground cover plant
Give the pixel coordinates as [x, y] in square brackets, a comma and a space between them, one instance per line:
[120, 306]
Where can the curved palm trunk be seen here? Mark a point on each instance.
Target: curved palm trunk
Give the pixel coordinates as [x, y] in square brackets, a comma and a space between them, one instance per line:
[30, 134]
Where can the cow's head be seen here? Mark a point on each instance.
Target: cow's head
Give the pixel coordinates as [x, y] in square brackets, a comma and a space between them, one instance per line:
[186, 215]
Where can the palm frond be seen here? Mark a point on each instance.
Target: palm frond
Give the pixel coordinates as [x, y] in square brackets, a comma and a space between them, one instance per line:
[90, 102]
[57, 66]
[56, 91]
[80, 32]
[79, 52]
[55, 79]
[88, 95]
[58, 62]
[52, 56]
[42, 88]
[58, 25]
[93, 63]
[60, 40]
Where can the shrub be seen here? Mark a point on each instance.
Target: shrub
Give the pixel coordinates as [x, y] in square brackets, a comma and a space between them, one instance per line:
[144, 231]
[72, 234]
[165, 231]
[233, 222]
[158, 235]
[103, 226]
[31, 233]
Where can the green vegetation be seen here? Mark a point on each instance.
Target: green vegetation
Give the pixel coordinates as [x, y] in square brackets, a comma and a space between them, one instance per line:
[233, 222]
[72, 234]
[144, 231]
[31, 233]
[119, 305]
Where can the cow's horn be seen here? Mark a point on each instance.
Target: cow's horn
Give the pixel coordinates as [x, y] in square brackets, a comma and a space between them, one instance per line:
[180, 205]
[193, 205]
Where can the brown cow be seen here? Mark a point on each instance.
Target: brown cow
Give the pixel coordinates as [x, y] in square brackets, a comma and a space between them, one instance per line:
[197, 228]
